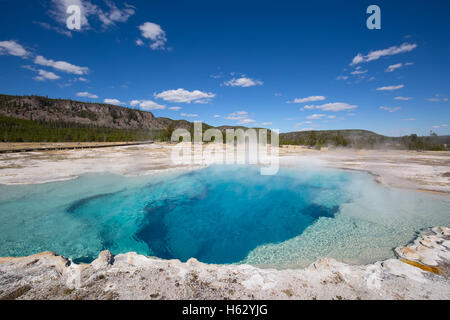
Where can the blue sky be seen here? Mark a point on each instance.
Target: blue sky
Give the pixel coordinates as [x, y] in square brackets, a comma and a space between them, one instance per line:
[288, 65]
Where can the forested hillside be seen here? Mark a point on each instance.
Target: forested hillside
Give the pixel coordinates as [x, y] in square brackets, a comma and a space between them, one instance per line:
[41, 119]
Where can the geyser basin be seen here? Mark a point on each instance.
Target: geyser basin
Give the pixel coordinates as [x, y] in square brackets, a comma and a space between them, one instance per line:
[221, 214]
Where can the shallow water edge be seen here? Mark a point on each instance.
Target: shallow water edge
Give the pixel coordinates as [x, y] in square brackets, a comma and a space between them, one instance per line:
[420, 272]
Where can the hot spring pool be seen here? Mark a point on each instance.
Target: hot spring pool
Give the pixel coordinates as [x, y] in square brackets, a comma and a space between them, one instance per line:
[220, 214]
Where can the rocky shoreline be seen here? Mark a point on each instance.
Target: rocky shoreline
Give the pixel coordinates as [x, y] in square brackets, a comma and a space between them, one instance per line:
[420, 271]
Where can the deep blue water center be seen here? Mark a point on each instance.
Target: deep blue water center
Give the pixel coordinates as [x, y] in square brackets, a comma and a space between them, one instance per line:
[220, 214]
[217, 215]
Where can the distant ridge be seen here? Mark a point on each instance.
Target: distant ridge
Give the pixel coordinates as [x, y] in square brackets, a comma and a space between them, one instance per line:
[42, 119]
[85, 113]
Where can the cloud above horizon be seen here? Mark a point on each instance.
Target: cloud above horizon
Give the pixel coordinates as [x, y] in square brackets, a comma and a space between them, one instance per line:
[155, 34]
[46, 75]
[147, 104]
[316, 116]
[396, 66]
[240, 116]
[307, 99]
[243, 82]
[85, 94]
[113, 101]
[106, 17]
[335, 107]
[436, 99]
[184, 96]
[61, 66]
[377, 54]
[403, 98]
[440, 126]
[390, 88]
[189, 115]
[390, 109]
[13, 48]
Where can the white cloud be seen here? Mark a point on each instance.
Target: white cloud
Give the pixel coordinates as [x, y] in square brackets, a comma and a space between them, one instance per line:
[390, 88]
[13, 48]
[147, 105]
[46, 75]
[61, 65]
[246, 121]
[331, 117]
[377, 54]
[216, 116]
[155, 34]
[440, 126]
[316, 116]
[243, 82]
[114, 14]
[403, 98]
[189, 115]
[302, 123]
[341, 77]
[230, 117]
[237, 115]
[202, 101]
[240, 116]
[174, 108]
[107, 18]
[184, 96]
[307, 99]
[266, 123]
[60, 30]
[390, 109]
[139, 42]
[358, 72]
[335, 106]
[217, 76]
[87, 95]
[409, 119]
[437, 99]
[112, 101]
[393, 67]
[58, 11]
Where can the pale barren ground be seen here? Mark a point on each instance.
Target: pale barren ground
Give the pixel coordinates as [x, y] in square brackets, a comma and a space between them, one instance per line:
[420, 272]
[428, 171]
[425, 171]
[13, 146]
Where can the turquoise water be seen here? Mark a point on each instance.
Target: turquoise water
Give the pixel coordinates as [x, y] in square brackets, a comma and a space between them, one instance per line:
[221, 214]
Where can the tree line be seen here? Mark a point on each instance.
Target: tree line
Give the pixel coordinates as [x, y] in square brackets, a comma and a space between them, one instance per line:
[19, 130]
